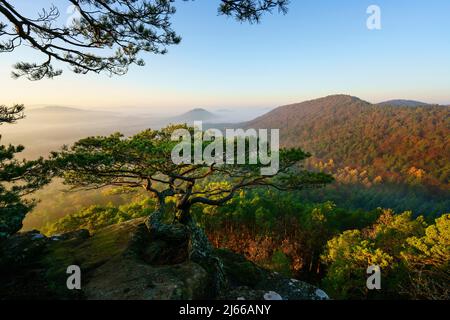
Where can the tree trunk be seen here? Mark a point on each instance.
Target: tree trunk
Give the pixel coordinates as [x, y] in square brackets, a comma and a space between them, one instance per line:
[159, 230]
[200, 249]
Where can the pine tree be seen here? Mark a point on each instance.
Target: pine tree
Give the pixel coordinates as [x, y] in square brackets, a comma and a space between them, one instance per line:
[17, 179]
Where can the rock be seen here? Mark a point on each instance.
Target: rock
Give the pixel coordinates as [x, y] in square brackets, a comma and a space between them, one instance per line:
[321, 295]
[11, 218]
[37, 236]
[290, 289]
[240, 271]
[123, 261]
[162, 253]
[255, 283]
[244, 293]
[21, 250]
[81, 234]
[271, 295]
[172, 233]
[129, 261]
[127, 279]
[301, 292]
[144, 268]
[21, 276]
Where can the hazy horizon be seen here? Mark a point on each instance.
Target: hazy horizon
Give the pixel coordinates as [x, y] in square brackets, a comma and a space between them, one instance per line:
[161, 112]
[223, 64]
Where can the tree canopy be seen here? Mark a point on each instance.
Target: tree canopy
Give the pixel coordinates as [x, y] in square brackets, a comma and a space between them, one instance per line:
[413, 256]
[106, 35]
[11, 114]
[144, 161]
[17, 179]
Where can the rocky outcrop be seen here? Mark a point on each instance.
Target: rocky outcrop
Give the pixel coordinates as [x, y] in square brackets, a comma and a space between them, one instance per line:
[127, 279]
[21, 250]
[127, 261]
[250, 282]
[23, 272]
[11, 218]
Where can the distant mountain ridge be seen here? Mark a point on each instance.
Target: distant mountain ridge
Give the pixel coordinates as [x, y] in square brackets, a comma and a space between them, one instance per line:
[283, 115]
[382, 142]
[403, 103]
[197, 114]
[57, 109]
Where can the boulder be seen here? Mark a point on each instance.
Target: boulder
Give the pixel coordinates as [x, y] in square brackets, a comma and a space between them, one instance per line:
[240, 271]
[129, 261]
[124, 261]
[81, 234]
[132, 280]
[11, 218]
[22, 249]
[251, 282]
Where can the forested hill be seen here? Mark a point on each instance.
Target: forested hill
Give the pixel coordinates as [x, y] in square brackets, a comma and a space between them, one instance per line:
[355, 139]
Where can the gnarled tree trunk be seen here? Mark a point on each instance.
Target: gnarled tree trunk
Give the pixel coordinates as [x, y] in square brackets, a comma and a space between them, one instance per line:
[200, 250]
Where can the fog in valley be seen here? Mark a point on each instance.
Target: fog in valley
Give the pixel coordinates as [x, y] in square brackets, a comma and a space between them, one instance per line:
[48, 128]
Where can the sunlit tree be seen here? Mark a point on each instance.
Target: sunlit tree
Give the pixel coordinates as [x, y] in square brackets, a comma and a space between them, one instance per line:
[145, 161]
[428, 262]
[17, 179]
[101, 36]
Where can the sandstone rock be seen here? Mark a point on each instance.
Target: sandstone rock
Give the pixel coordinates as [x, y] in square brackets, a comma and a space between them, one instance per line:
[11, 218]
[128, 279]
[21, 249]
[290, 289]
[254, 283]
[240, 271]
[81, 234]
[124, 261]
[128, 261]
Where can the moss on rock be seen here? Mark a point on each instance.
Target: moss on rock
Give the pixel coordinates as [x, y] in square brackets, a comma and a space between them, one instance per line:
[125, 261]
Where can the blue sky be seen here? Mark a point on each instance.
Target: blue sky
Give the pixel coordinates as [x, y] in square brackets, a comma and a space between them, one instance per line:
[320, 47]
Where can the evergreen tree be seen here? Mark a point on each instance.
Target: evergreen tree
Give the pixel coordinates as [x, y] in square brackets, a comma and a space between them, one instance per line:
[17, 179]
[145, 161]
[107, 35]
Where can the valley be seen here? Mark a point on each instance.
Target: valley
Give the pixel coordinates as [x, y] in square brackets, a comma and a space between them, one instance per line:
[381, 155]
